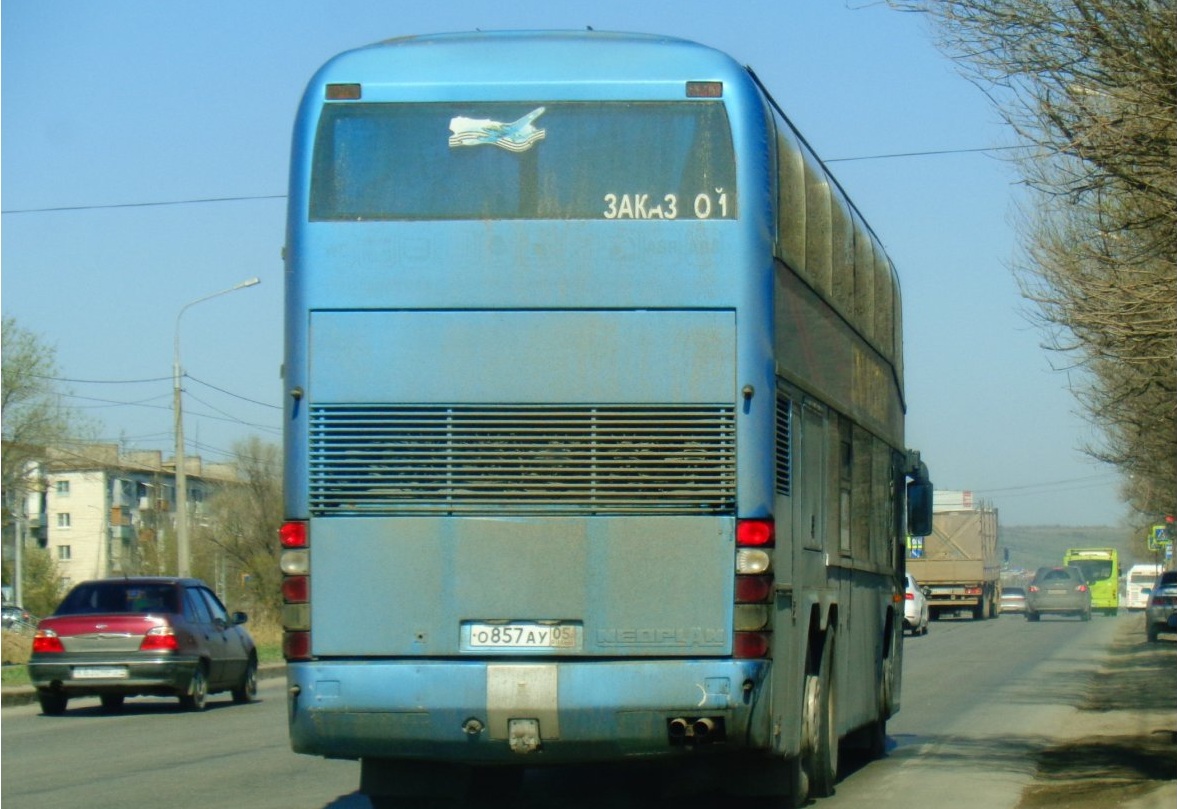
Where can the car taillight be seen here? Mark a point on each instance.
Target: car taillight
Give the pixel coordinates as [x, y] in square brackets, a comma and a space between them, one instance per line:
[160, 639]
[754, 587]
[47, 642]
[1082, 588]
[909, 596]
[295, 563]
[1033, 588]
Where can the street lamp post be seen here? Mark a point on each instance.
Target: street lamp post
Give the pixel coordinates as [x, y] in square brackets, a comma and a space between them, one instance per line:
[182, 549]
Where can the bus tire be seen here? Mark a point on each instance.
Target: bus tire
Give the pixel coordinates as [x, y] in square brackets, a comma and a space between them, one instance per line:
[821, 730]
[797, 783]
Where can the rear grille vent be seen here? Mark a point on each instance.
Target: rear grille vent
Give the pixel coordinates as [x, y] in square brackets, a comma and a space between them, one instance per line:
[784, 446]
[522, 459]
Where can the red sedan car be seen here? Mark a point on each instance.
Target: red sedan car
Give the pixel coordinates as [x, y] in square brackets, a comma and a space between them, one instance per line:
[119, 638]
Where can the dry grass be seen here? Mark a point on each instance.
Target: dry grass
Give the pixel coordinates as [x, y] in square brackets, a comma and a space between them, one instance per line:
[15, 647]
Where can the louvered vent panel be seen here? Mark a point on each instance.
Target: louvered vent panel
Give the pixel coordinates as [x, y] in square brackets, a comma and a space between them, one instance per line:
[784, 446]
[472, 459]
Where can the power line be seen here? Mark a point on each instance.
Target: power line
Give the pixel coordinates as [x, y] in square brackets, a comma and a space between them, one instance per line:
[920, 154]
[154, 204]
[234, 395]
[255, 197]
[102, 381]
[1088, 479]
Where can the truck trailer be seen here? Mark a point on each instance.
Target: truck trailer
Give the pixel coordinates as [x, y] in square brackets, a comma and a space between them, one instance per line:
[958, 563]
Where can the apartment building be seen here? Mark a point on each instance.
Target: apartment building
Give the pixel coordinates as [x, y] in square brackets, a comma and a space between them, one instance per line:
[100, 512]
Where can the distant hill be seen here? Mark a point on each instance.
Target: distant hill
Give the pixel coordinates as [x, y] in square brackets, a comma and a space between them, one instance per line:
[1032, 546]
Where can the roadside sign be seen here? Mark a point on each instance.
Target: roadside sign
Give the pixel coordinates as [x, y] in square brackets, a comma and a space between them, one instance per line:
[1160, 537]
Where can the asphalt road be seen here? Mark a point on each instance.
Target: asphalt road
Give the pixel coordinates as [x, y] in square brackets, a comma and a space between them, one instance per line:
[981, 700]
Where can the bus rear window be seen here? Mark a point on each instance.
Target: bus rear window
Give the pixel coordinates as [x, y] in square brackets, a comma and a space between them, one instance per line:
[545, 160]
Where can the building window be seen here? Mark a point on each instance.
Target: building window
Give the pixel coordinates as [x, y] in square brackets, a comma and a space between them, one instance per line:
[63, 488]
[63, 519]
[64, 553]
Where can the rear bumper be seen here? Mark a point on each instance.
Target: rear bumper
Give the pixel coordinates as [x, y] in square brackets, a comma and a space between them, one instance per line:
[158, 675]
[463, 710]
[1058, 607]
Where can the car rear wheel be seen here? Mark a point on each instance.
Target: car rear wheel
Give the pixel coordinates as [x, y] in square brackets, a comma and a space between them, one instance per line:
[197, 691]
[112, 702]
[246, 691]
[52, 702]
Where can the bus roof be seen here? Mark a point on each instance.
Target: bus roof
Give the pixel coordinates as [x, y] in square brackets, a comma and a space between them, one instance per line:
[537, 57]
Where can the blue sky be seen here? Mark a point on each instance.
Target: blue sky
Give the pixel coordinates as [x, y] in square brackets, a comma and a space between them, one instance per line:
[127, 103]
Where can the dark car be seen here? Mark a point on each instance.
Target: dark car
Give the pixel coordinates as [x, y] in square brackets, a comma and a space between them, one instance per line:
[1161, 613]
[119, 638]
[17, 618]
[1058, 591]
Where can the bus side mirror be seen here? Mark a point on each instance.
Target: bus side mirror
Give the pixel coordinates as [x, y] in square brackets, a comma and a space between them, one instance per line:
[919, 508]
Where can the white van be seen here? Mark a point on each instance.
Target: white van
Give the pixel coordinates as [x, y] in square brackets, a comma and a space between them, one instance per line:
[1141, 579]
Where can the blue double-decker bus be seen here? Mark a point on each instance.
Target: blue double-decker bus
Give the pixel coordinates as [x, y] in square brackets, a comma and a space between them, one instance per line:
[594, 422]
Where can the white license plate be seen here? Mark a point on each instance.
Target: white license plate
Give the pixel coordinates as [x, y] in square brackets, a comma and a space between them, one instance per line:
[522, 635]
[100, 673]
[1056, 592]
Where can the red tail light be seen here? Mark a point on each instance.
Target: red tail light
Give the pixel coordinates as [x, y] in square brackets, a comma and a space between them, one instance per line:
[1082, 588]
[1033, 588]
[47, 642]
[295, 563]
[296, 589]
[160, 639]
[750, 644]
[909, 596]
[755, 533]
[293, 534]
[296, 645]
[754, 587]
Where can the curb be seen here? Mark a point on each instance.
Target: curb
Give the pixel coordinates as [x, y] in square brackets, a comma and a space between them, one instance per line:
[12, 696]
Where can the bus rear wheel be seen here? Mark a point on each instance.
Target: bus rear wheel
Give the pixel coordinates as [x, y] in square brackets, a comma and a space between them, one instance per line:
[820, 728]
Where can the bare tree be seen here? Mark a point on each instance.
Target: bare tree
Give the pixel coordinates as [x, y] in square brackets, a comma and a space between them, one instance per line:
[1090, 86]
[239, 542]
[33, 418]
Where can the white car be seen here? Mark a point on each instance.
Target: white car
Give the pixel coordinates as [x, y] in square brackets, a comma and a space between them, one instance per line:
[915, 608]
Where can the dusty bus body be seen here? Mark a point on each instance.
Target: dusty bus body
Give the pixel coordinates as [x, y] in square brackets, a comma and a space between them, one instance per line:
[594, 422]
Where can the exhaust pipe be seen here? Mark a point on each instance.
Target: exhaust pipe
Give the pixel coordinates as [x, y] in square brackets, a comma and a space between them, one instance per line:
[703, 728]
[677, 728]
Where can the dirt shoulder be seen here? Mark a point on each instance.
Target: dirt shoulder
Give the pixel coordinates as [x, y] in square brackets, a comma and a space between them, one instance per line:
[1120, 749]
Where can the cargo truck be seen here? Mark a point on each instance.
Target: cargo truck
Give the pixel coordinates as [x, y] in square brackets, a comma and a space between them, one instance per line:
[958, 563]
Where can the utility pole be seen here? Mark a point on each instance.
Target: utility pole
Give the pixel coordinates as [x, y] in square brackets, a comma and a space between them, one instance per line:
[183, 552]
